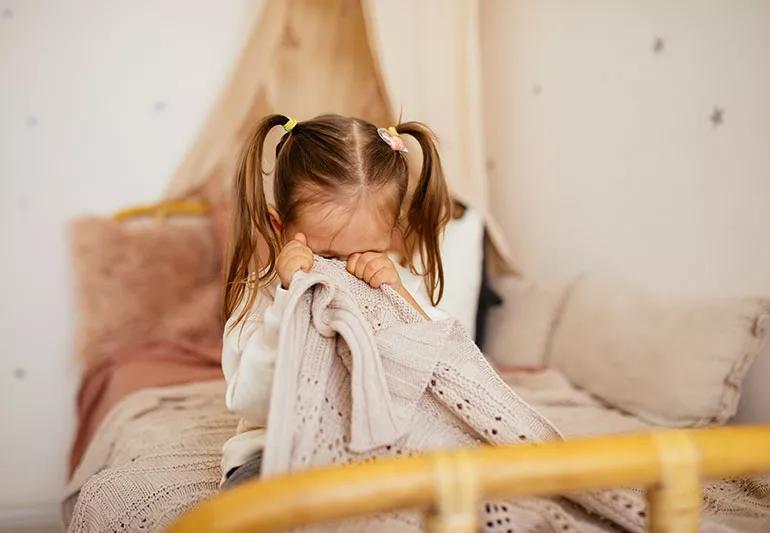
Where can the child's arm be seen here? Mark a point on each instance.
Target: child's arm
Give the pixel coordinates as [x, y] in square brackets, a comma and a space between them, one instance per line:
[248, 359]
[249, 349]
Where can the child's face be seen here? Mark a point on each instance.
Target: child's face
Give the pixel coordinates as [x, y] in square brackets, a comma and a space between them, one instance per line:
[338, 230]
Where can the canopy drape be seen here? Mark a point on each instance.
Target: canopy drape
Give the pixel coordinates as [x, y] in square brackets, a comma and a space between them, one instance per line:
[376, 59]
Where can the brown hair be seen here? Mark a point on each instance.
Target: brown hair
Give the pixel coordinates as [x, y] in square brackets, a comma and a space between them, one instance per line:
[313, 162]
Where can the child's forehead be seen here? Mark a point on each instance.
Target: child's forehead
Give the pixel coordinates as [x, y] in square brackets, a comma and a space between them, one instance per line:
[338, 231]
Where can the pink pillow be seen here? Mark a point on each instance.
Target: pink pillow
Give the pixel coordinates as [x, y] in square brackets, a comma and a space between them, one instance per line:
[142, 280]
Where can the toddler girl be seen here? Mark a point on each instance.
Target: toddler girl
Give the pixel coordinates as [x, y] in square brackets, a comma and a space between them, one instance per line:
[339, 186]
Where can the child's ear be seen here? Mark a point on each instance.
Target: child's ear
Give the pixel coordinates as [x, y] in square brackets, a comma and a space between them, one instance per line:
[275, 219]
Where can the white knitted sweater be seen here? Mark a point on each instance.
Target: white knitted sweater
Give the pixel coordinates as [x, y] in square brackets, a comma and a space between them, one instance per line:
[360, 375]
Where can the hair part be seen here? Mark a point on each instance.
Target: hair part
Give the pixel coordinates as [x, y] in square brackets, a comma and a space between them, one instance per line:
[315, 162]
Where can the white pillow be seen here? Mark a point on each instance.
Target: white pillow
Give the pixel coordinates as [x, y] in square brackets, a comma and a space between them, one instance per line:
[669, 361]
[462, 253]
[518, 330]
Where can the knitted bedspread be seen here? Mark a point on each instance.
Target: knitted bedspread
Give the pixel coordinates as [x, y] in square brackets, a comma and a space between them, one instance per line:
[156, 454]
[361, 376]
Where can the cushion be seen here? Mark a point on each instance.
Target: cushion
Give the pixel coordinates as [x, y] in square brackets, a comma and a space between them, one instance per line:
[142, 280]
[575, 412]
[518, 331]
[462, 255]
[670, 361]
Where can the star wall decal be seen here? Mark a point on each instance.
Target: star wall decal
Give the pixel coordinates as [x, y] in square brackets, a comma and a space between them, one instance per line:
[717, 117]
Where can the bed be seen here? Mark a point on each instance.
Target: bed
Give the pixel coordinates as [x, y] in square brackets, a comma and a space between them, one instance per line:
[156, 456]
[152, 416]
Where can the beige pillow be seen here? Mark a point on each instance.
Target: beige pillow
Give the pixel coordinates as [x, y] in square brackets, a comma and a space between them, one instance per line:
[518, 330]
[670, 361]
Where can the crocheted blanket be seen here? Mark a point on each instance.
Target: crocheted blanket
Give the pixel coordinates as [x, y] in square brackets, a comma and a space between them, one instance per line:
[360, 375]
[157, 453]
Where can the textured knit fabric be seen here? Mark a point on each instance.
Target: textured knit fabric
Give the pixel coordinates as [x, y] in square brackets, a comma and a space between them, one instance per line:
[157, 454]
[249, 351]
[359, 375]
[370, 380]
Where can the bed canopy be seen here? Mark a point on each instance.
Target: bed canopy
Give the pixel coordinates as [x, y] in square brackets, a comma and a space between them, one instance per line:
[375, 59]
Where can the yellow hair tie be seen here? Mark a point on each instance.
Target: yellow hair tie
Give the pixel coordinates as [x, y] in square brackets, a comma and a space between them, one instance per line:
[392, 131]
[290, 124]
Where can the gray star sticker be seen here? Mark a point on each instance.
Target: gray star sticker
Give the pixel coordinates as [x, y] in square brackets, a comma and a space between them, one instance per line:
[717, 116]
[659, 45]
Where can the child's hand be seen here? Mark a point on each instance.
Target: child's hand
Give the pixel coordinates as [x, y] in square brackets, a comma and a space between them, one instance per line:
[294, 256]
[375, 268]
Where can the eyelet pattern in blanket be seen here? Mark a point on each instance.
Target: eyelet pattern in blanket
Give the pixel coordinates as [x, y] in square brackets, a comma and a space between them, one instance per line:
[360, 375]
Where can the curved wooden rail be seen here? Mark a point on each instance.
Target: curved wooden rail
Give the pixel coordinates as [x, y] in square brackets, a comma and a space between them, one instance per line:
[164, 209]
[670, 464]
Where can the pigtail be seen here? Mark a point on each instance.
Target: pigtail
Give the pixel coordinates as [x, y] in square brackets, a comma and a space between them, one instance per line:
[245, 270]
[429, 212]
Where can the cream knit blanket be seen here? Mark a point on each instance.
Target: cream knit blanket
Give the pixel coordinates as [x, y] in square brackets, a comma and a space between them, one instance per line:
[360, 375]
[157, 453]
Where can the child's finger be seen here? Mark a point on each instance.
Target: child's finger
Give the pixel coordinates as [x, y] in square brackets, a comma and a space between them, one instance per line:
[297, 263]
[290, 246]
[301, 238]
[351, 263]
[379, 277]
[300, 260]
[374, 266]
[307, 261]
[362, 262]
[299, 251]
[295, 244]
[303, 251]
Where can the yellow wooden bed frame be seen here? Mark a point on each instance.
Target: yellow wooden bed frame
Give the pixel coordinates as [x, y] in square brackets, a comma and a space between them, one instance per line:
[162, 210]
[448, 485]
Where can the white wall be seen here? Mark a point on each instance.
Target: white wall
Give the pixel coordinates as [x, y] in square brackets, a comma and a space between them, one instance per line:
[98, 103]
[602, 154]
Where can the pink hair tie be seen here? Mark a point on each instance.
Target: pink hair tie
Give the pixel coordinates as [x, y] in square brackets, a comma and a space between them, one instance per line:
[393, 139]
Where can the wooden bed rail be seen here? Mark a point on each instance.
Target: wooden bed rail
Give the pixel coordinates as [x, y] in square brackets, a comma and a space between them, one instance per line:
[670, 464]
[164, 209]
